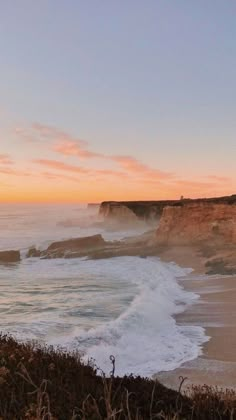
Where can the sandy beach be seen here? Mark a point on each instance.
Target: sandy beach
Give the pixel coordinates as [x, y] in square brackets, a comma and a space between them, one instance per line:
[215, 310]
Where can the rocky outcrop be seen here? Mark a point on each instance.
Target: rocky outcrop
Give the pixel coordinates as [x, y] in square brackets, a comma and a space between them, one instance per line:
[77, 243]
[33, 253]
[152, 210]
[9, 256]
[96, 247]
[194, 223]
[71, 248]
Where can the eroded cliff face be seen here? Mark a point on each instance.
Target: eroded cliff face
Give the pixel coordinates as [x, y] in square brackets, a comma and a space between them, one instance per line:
[152, 210]
[198, 223]
[118, 212]
[134, 210]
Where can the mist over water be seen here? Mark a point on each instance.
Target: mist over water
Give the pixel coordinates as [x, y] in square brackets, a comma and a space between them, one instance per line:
[122, 306]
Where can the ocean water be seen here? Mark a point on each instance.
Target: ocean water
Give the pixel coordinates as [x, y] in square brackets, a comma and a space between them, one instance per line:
[122, 306]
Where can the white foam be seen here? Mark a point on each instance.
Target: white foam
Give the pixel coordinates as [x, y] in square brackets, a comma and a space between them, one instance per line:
[121, 306]
[145, 338]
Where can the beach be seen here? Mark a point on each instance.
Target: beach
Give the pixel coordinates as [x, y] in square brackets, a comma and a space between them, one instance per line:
[116, 305]
[215, 311]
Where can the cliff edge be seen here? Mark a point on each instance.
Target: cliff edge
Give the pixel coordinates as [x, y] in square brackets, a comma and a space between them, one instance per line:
[206, 226]
[152, 210]
[201, 222]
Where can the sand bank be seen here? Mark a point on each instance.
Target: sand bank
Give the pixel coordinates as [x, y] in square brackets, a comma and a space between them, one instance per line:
[216, 312]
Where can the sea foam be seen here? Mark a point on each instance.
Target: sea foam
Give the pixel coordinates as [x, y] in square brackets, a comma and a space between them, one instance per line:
[121, 306]
[145, 338]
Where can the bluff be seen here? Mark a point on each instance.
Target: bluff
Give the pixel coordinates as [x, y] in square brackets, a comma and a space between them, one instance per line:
[133, 210]
[199, 222]
[152, 210]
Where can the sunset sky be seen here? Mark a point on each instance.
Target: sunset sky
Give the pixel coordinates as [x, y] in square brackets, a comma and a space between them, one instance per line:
[106, 99]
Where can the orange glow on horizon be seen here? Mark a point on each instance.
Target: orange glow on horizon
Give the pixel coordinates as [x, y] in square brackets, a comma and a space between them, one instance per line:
[69, 195]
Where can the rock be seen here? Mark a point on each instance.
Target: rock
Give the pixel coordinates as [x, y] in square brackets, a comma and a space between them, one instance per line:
[198, 223]
[33, 252]
[152, 210]
[9, 256]
[74, 247]
[219, 266]
[77, 243]
[132, 210]
[119, 213]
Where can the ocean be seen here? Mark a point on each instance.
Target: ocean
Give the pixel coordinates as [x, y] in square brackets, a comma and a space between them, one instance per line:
[121, 306]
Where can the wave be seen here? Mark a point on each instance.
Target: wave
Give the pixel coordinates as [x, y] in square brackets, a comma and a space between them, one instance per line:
[145, 338]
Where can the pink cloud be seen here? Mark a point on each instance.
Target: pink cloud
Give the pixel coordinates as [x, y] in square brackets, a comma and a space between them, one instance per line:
[219, 178]
[17, 172]
[72, 148]
[67, 145]
[56, 164]
[41, 133]
[123, 166]
[111, 173]
[5, 160]
[133, 165]
[55, 176]
[61, 166]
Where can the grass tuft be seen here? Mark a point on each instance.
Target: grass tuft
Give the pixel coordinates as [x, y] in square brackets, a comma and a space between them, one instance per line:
[41, 383]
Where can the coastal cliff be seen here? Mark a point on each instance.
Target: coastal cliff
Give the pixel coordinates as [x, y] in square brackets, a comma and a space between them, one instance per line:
[141, 210]
[117, 211]
[207, 228]
[152, 210]
[198, 222]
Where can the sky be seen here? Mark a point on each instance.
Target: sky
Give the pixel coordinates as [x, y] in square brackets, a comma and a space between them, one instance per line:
[117, 100]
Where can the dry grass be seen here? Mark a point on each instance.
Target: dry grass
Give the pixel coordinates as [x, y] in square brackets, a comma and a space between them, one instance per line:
[46, 384]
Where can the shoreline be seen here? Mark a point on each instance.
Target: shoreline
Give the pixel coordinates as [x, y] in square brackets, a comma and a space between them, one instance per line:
[215, 311]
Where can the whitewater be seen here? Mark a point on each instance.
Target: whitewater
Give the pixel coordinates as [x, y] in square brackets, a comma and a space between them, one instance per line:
[122, 306]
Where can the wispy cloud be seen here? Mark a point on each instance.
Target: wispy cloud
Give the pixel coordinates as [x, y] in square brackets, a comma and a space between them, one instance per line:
[133, 165]
[218, 178]
[56, 164]
[127, 168]
[67, 145]
[11, 171]
[57, 176]
[5, 160]
[62, 166]
[40, 133]
[75, 148]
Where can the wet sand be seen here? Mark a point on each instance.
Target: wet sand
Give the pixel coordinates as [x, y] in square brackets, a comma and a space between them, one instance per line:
[215, 310]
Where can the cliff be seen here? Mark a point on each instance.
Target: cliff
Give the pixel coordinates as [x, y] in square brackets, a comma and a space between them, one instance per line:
[118, 212]
[206, 228]
[143, 210]
[197, 223]
[152, 210]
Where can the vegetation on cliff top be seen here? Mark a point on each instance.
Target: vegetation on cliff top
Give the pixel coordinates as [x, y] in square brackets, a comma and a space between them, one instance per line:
[44, 383]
